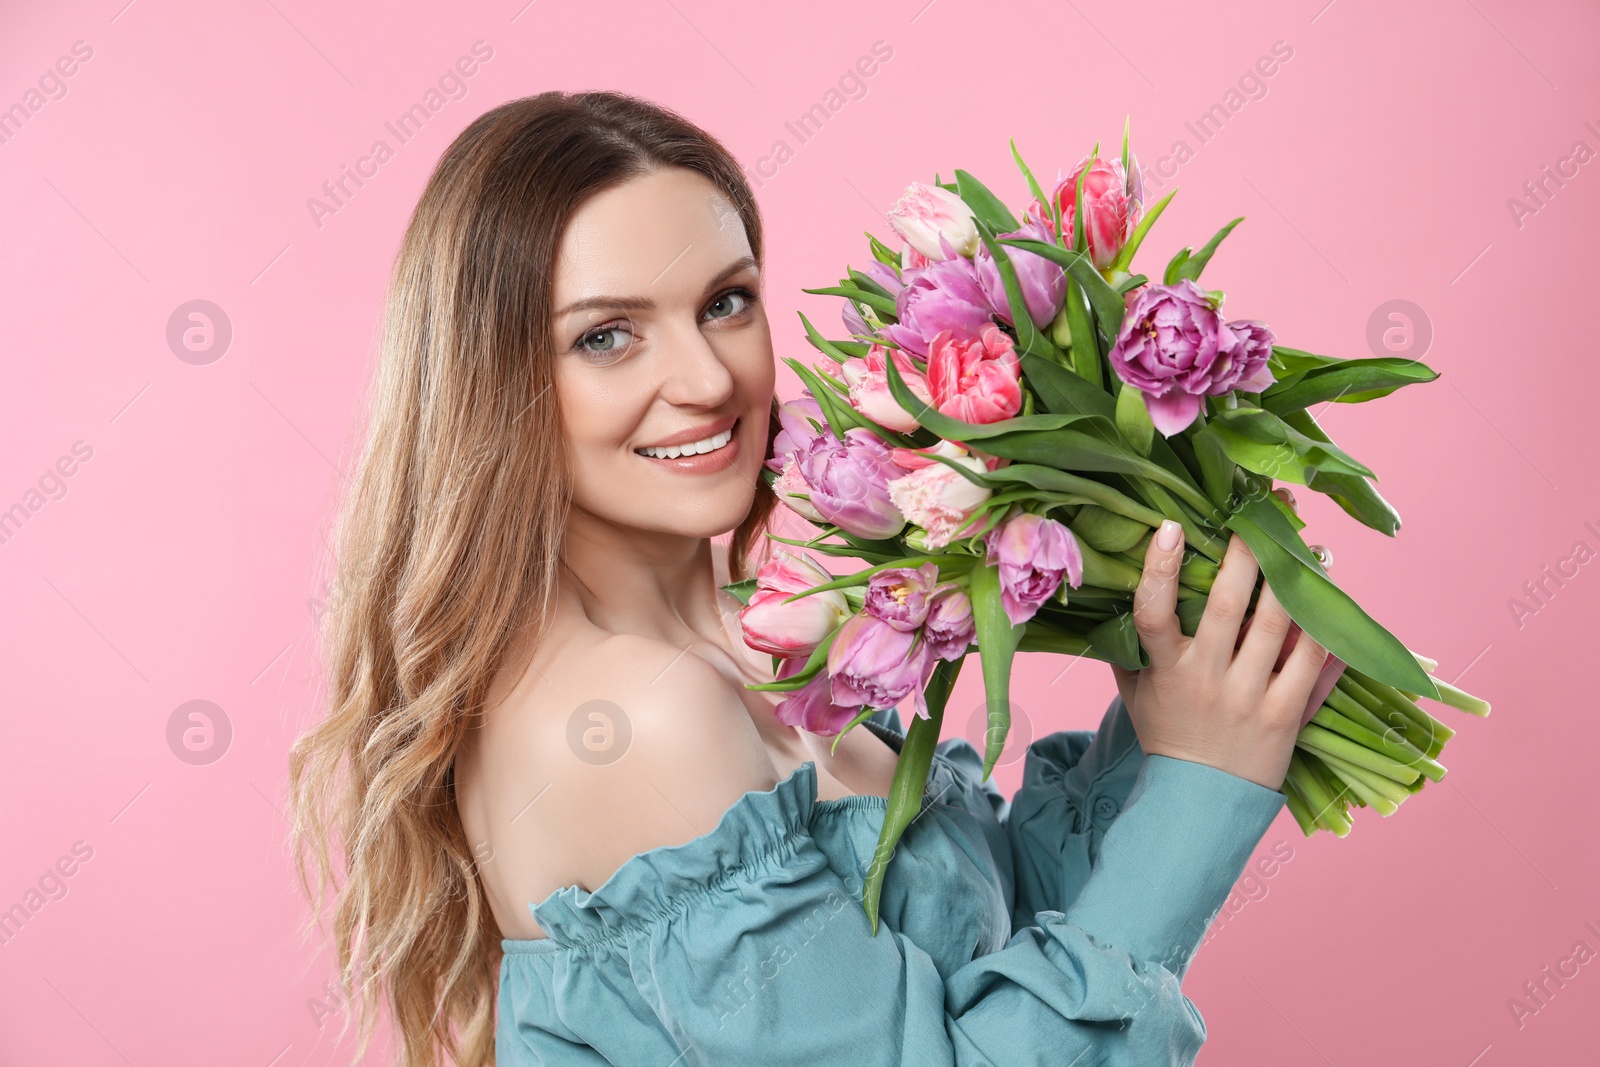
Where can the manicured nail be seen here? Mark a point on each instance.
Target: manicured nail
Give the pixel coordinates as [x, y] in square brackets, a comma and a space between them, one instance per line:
[1167, 537]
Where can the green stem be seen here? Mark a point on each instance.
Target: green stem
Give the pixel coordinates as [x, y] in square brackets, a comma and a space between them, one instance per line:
[1344, 716]
[1391, 718]
[1319, 739]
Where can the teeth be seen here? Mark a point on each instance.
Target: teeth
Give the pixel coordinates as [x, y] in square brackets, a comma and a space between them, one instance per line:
[694, 448]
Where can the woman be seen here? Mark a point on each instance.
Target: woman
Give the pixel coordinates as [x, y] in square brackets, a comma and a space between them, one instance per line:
[570, 834]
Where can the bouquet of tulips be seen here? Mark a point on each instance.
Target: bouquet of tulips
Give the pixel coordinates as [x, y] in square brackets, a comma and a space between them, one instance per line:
[1013, 413]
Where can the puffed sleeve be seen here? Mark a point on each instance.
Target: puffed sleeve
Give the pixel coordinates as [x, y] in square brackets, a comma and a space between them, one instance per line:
[1075, 784]
[745, 946]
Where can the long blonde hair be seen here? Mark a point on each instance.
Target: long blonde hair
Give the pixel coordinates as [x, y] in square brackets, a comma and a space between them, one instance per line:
[448, 544]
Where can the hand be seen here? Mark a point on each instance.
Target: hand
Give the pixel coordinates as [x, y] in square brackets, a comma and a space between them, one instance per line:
[1216, 698]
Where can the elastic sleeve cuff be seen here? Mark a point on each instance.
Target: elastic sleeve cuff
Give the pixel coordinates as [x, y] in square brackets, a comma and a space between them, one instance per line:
[1169, 861]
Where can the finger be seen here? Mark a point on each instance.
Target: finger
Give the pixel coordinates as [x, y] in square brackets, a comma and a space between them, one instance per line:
[1263, 641]
[1155, 600]
[1287, 497]
[1293, 683]
[1226, 604]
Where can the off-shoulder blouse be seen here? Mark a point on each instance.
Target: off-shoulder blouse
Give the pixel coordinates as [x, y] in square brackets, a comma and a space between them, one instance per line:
[1051, 928]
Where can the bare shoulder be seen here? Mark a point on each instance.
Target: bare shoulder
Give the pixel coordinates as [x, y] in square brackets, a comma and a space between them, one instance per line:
[623, 745]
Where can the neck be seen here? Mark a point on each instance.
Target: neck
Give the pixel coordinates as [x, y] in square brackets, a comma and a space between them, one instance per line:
[644, 582]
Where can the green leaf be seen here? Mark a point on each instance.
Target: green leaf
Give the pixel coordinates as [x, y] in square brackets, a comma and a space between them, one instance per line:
[1133, 420]
[883, 253]
[814, 663]
[866, 713]
[1351, 381]
[1029, 339]
[1080, 232]
[1175, 264]
[1085, 347]
[743, 590]
[820, 343]
[869, 283]
[1116, 641]
[1106, 301]
[1321, 608]
[1291, 361]
[1063, 392]
[1193, 265]
[840, 415]
[1075, 450]
[1033, 186]
[984, 204]
[1216, 469]
[910, 783]
[882, 304]
[997, 646]
[1260, 441]
[1130, 283]
[1105, 530]
[1125, 257]
[1351, 492]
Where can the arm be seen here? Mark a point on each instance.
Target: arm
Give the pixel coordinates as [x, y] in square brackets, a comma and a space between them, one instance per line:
[1075, 785]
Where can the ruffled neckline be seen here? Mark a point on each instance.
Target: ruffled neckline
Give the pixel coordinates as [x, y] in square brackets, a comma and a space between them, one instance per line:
[759, 829]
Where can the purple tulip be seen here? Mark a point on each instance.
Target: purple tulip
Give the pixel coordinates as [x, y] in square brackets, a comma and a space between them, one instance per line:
[1032, 553]
[949, 627]
[811, 708]
[1255, 348]
[872, 664]
[854, 324]
[1044, 284]
[1174, 348]
[945, 295]
[849, 480]
[795, 430]
[885, 276]
[899, 595]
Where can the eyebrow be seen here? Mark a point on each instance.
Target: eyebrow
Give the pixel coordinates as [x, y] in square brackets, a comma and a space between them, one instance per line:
[644, 303]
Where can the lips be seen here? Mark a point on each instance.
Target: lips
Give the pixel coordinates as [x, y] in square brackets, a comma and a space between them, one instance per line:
[694, 433]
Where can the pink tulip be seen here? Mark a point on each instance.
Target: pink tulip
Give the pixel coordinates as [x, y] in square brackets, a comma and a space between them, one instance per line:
[795, 419]
[949, 628]
[1033, 554]
[811, 707]
[798, 627]
[874, 665]
[792, 490]
[1111, 204]
[938, 499]
[978, 380]
[848, 477]
[925, 213]
[899, 595]
[868, 379]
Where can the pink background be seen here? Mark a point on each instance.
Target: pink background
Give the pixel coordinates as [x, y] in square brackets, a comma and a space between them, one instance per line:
[184, 560]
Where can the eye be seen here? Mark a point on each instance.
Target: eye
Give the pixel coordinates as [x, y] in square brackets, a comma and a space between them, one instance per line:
[604, 341]
[734, 302]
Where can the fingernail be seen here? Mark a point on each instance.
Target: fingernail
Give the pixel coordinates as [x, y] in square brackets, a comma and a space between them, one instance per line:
[1324, 556]
[1167, 536]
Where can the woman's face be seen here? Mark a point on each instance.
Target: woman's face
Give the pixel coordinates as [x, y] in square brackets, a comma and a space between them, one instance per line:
[661, 339]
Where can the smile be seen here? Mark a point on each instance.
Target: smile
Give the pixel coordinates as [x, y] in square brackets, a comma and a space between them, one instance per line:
[693, 448]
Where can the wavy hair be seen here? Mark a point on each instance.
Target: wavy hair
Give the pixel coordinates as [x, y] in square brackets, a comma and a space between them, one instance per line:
[448, 544]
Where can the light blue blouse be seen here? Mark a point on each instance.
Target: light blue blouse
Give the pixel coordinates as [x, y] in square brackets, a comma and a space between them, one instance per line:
[1054, 928]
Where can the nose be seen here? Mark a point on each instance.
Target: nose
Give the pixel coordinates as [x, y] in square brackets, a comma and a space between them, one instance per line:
[693, 374]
